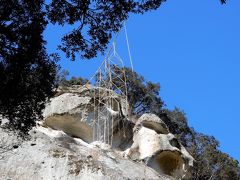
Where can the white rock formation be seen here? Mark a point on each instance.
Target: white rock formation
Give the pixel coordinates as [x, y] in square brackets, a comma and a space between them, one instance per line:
[70, 144]
[90, 113]
[53, 155]
[161, 151]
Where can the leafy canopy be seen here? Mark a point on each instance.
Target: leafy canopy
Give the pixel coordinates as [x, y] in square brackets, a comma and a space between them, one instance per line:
[143, 96]
[27, 72]
[210, 162]
[64, 82]
[96, 21]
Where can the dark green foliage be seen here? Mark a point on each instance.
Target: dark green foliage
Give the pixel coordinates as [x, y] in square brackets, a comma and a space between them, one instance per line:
[143, 96]
[210, 162]
[223, 1]
[62, 80]
[27, 73]
[97, 19]
[178, 125]
[61, 77]
[77, 81]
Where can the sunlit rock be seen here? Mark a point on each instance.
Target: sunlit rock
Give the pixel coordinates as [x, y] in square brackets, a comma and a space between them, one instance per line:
[53, 155]
[159, 149]
[90, 113]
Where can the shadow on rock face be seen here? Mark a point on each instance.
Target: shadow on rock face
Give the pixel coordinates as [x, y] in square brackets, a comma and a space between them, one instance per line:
[157, 127]
[104, 118]
[159, 149]
[91, 114]
[167, 162]
[69, 125]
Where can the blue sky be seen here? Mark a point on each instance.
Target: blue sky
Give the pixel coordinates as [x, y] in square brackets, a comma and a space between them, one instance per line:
[192, 48]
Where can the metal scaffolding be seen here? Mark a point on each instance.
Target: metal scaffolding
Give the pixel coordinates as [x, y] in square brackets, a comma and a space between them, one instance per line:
[106, 95]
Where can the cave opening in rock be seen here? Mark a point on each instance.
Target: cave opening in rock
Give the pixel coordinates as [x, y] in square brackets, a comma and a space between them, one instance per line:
[71, 125]
[167, 162]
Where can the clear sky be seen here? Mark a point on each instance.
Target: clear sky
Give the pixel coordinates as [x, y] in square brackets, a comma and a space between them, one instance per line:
[192, 48]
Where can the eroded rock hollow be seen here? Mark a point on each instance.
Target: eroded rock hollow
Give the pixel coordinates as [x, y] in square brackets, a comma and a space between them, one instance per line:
[148, 140]
[88, 133]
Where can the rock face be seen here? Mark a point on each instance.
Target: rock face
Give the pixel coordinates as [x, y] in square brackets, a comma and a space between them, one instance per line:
[53, 155]
[87, 133]
[90, 113]
[161, 151]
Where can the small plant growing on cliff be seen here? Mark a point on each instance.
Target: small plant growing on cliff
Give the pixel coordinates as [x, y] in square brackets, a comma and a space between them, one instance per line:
[57, 153]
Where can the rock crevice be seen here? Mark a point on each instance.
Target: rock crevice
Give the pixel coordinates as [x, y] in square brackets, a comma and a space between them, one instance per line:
[89, 136]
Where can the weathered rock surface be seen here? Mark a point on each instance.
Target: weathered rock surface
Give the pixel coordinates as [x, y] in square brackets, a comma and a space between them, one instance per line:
[87, 134]
[90, 113]
[161, 151]
[53, 155]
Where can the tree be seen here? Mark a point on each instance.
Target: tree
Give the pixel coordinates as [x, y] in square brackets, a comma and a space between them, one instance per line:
[97, 19]
[178, 125]
[62, 80]
[27, 73]
[143, 96]
[210, 162]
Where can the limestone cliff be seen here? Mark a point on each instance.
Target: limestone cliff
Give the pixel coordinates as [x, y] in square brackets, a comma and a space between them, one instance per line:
[88, 133]
[53, 155]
